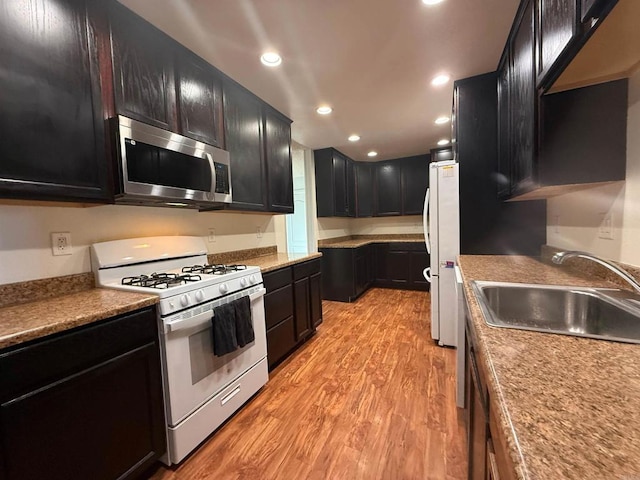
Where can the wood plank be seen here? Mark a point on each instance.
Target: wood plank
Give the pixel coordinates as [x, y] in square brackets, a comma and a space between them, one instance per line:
[370, 396]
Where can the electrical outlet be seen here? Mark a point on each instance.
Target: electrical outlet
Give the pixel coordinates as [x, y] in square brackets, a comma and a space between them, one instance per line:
[606, 226]
[212, 235]
[61, 243]
[259, 232]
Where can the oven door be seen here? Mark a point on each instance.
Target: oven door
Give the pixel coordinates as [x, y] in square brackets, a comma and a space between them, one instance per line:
[193, 373]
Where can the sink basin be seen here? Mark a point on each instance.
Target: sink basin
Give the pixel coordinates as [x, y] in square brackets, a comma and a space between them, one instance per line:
[606, 314]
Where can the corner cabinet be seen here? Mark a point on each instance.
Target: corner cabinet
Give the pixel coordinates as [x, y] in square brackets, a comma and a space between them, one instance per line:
[85, 403]
[387, 189]
[53, 134]
[415, 181]
[364, 189]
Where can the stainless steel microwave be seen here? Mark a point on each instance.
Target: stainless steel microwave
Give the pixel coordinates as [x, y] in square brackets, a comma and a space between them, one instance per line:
[160, 167]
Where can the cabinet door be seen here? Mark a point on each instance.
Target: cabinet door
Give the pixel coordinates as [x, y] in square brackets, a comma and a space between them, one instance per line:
[143, 70]
[364, 190]
[523, 103]
[302, 300]
[504, 131]
[98, 424]
[419, 261]
[340, 185]
[388, 197]
[381, 273]
[315, 291]
[199, 100]
[557, 27]
[277, 147]
[243, 138]
[441, 154]
[398, 268]
[361, 270]
[478, 425]
[53, 142]
[415, 180]
[351, 189]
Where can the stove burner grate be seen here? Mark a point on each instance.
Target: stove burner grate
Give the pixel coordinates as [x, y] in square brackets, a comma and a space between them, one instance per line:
[213, 269]
[160, 280]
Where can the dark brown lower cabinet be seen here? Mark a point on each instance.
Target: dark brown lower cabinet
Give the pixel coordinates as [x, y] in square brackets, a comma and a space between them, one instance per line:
[293, 307]
[488, 458]
[349, 272]
[83, 404]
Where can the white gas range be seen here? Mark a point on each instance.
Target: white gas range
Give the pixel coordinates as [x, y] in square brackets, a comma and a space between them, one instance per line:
[202, 389]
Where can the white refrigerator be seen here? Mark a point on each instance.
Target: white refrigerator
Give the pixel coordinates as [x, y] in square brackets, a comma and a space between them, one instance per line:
[441, 220]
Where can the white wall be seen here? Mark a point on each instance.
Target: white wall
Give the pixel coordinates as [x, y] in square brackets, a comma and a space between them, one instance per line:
[387, 225]
[333, 227]
[574, 219]
[25, 242]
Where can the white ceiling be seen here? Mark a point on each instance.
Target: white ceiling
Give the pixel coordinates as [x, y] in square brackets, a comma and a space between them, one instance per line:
[372, 61]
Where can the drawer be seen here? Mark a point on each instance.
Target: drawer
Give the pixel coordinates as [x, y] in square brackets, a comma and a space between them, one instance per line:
[277, 279]
[185, 437]
[29, 366]
[280, 340]
[278, 305]
[407, 247]
[306, 269]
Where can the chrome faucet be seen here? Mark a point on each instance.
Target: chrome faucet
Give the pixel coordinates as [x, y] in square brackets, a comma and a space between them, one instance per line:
[562, 256]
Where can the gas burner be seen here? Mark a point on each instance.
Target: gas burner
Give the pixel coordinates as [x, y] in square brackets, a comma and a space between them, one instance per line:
[160, 280]
[213, 269]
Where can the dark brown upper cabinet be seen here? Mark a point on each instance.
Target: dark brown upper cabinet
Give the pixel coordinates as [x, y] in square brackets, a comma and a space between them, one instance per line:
[388, 189]
[143, 69]
[53, 138]
[335, 183]
[503, 173]
[199, 96]
[364, 189]
[243, 134]
[523, 101]
[441, 154]
[277, 147]
[415, 180]
[557, 22]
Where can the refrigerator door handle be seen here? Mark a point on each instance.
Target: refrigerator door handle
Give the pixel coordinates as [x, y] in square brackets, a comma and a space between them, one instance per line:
[425, 223]
[427, 274]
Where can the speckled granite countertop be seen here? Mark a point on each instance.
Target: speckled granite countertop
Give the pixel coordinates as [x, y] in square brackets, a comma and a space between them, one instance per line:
[359, 241]
[29, 321]
[569, 407]
[268, 263]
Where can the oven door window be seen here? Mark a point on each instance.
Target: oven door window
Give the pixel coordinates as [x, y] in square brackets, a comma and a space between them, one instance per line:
[158, 166]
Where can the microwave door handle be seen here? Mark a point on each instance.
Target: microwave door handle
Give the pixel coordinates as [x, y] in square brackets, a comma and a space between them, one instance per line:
[212, 166]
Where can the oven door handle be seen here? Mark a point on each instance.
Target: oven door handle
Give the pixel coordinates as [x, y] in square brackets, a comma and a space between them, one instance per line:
[204, 317]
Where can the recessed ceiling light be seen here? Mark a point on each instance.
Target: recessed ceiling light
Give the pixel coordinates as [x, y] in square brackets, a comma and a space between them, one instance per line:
[354, 138]
[324, 110]
[440, 80]
[271, 59]
[444, 141]
[441, 120]
[431, 2]
[372, 154]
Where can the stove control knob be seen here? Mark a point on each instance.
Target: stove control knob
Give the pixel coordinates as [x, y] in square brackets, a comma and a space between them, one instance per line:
[253, 279]
[199, 295]
[184, 300]
[224, 288]
[172, 305]
[243, 282]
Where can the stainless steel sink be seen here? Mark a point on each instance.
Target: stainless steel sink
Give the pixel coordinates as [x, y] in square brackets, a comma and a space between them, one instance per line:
[606, 314]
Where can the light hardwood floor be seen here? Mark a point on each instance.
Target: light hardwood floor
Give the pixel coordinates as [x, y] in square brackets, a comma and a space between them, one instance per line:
[370, 396]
